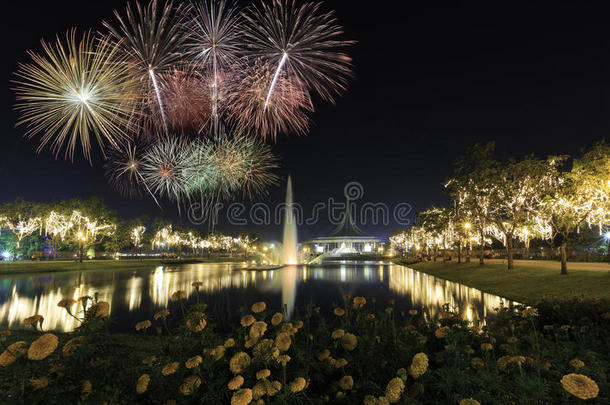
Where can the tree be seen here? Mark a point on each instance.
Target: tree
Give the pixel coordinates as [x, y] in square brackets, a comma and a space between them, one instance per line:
[22, 218]
[471, 188]
[518, 190]
[580, 198]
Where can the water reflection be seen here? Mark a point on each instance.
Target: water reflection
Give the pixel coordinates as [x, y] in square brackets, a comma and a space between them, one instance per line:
[135, 295]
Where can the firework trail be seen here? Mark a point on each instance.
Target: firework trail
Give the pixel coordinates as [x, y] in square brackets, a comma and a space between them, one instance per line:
[151, 40]
[214, 42]
[74, 91]
[302, 40]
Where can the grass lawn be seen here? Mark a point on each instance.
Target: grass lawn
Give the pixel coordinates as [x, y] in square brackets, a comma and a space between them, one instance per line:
[8, 268]
[529, 281]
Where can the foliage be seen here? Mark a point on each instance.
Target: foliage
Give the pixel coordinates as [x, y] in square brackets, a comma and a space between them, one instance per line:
[360, 354]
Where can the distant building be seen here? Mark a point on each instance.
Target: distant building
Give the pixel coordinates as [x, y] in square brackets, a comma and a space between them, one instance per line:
[345, 241]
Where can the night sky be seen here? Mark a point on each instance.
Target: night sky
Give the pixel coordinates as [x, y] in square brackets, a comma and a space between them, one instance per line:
[430, 80]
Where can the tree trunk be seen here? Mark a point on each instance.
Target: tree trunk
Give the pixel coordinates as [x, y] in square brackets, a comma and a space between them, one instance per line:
[15, 253]
[459, 251]
[435, 253]
[509, 251]
[482, 257]
[468, 252]
[564, 257]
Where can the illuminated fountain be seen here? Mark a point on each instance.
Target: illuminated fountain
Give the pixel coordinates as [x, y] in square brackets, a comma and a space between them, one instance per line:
[289, 249]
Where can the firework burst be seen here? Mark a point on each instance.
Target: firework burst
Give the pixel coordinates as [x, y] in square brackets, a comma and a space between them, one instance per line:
[151, 41]
[302, 40]
[75, 92]
[165, 168]
[250, 111]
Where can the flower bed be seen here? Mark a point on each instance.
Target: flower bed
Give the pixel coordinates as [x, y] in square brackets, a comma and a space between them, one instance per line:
[555, 353]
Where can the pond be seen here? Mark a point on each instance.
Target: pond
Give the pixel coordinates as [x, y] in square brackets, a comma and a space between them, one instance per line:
[229, 290]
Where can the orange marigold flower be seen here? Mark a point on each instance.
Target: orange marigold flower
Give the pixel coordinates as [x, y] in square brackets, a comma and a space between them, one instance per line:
[42, 347]
[419, 365]
[394, 390]
[32, 320]
[339, 311]
[413, 312]
[359, 302]
[277, 318]
[580, 386]
[486, 347]
[86, 388]
[349, 341]
[66, 303]
[142, 385]
[193, 362]
[258, 307]
[230, 342]
[170, 368]
[143, 325]
[441, 332]
[235, 383]
[10, 355]
[337, 334]
[102, 309]
[298, 384]
[346, 383]
[477, 363]
[247, 320]
[190, 384]
[258, 329]
[323, 355]
[161, 314]
[39, 383]
[264, 373]
[239, 362]
[242, 397]
[577, 363]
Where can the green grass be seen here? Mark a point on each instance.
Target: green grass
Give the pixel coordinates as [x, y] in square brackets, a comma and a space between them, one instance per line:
[8, 268]
[527, 282]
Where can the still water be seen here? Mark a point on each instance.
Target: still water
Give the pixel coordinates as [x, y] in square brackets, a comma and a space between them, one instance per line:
[228, 289]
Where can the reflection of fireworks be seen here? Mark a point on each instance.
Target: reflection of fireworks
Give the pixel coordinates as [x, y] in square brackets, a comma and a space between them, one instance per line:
[302, 40]
[74, 92]
[285, 111]
[151, 40]
[165, 166]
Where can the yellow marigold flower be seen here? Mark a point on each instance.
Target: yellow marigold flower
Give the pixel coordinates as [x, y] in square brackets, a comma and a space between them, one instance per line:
[264, 373]
[219, 352]
[250, 342]
[190, 384]
[486, 347]
[148, 361]
[337, 334]
[283, 341]
[32, 320]
[235, 383]
[193, 362]
[340, 363]
[161, 314]
[517, 359]
[86, 389]
[43, 347]
[469, 401]
[359, 302]
[273, 387]
[197, 284]
[349, 341]
[346, 383]
[10, 355]
[170, 368]
[258, 329]
[580, 386]
[288, 328]
[512, 339]
[102, 309]
[528, 312]
[413, 312]
[339, 311]
[394, 389]
[71, 346]
[242, 397]
[419, 365]
[143, 325]
[298, 325]
[258, 390]
[247, 320]
[503, 362]
[323, 355]
[230, 342]
[39, 383]
[283, 358]
[258, 307]
[66, 302]
[577, 363]
[277, 318]
[142, 385]
[441, 332]
[477, 363]
[5, 333]
[239, 362]
[298, 384]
